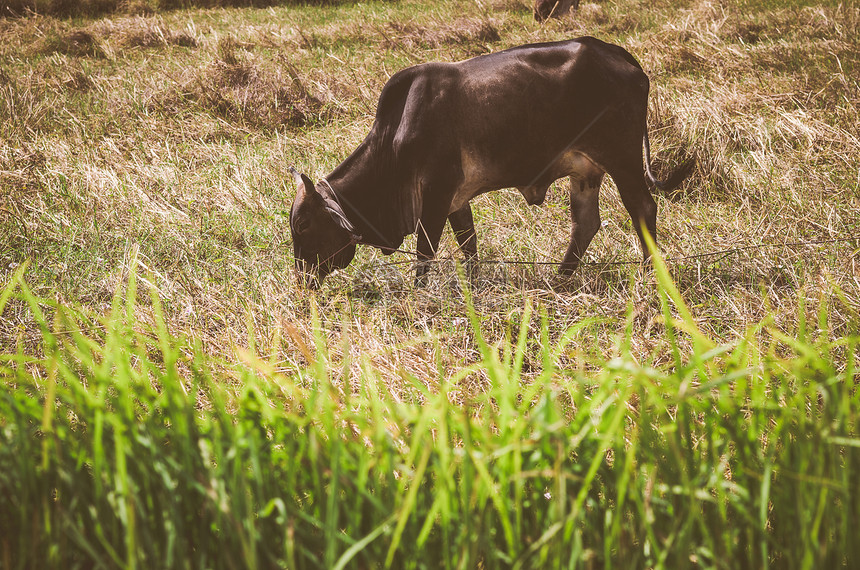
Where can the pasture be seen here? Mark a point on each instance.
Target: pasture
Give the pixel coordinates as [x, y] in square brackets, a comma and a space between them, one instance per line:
[173, 398]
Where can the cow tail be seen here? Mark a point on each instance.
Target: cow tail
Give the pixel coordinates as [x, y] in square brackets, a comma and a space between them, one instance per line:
[675, 178]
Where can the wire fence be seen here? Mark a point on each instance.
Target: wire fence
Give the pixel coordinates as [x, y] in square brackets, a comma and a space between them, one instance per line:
[719, 254]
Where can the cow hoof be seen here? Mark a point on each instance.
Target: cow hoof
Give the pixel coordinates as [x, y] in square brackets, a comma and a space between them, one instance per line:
[422, 271]
[422, 275]
[567, 269]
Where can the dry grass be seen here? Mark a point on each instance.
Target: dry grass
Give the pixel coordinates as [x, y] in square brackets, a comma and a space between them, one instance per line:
[94, 8]
[477, 33]
[171, 135]
[241, 90]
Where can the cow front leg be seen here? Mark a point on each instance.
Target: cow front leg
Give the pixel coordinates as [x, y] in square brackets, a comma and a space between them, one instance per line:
[463, 226]
[584, 220]
[429, 231]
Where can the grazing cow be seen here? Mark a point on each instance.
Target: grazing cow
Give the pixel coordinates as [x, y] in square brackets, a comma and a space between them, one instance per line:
[446, 132]
[546, 9]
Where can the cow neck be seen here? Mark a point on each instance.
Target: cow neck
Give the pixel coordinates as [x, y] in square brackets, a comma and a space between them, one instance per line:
[358, 187]
[369, 229]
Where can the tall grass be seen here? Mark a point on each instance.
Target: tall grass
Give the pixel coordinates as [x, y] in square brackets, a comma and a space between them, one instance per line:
[124, 446]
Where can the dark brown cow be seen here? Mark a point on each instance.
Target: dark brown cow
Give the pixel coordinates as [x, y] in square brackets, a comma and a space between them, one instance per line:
[447, 132]
[546, 9]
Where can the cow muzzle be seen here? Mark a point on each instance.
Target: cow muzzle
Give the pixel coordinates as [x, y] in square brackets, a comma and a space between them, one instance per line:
[307, 275]
[308, 280]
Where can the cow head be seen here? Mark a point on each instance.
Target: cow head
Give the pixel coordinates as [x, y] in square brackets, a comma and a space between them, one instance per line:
[545, 9]
[323, 238]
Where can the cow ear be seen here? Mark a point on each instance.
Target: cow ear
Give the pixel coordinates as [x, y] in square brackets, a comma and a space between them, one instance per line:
[303, 181]
[335, 211]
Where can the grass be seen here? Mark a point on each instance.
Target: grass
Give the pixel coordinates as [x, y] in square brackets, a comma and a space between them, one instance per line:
[123, 446]
[701, 416]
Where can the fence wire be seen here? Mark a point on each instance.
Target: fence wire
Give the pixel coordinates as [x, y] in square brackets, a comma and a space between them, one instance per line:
[722, 253]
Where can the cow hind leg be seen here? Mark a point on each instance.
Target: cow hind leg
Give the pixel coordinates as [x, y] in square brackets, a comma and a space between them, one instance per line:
[584, 218]
[463, 226]
[639, 203]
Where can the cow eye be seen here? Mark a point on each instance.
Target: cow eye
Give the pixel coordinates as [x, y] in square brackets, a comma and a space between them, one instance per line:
[302, 226]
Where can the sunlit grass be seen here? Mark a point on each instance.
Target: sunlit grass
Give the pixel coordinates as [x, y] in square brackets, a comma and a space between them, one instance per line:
[123, 446]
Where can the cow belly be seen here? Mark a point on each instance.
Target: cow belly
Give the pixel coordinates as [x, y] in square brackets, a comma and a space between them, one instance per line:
[480, 177]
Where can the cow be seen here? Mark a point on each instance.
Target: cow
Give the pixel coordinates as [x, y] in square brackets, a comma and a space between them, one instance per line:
[546, 9]
[447, 132]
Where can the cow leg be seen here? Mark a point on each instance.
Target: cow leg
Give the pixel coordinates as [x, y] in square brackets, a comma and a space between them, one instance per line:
[463, 225]
[639, 204]
[429, 231]
[584, 218]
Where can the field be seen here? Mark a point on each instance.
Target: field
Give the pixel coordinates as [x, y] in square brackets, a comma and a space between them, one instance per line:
[173, 398]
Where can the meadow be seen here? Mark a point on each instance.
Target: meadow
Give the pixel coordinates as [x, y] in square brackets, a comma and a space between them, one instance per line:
[173, 398]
